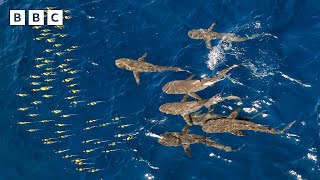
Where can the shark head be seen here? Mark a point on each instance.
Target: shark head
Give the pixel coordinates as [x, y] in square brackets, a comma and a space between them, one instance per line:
[197, 34]
[169, 139]
[122, 63]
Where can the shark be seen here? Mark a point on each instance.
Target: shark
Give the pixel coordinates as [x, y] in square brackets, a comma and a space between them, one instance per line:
[184, 139]
[190, 86]
[139, 66]
[212, 123]
[184, 108]
[208, 35]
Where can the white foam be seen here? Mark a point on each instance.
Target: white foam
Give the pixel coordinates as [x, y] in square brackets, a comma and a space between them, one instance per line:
[298, 176]
[312, 157]
[294, 80]
[153, 135]
[216, 56]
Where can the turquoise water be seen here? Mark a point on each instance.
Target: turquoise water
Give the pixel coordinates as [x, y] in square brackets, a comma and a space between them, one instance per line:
[280, 75]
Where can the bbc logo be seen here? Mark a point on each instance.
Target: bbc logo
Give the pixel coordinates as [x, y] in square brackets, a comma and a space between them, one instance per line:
[36, 17]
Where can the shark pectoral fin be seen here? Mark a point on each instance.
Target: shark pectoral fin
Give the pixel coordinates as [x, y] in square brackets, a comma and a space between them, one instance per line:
[238, 133]
[187, 118]
[194, 95]
[185, 98]
[234, 114]
[142, 58]
[136, 77]
[187, 149]
[185, 129]
[208, 43]
[191, 77]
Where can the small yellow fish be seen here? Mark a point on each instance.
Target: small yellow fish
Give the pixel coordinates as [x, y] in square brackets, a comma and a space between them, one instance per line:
[66, 70]
[57, 45]
[50, 8]
[94, 103]
[47, 61]
[60, 132]
[40, 65]
[69, 156]
[47, 96]
[68, 60]
[62, 66]
[49, 80]
[69, 50]
[66, 11]
[51, 40]
[61, 125]
[36, 102]
[35, 90]
[74, 47]
[72, 85]
[61, 151]
[124, 126]
[99, 142]
[49, 69]
[117, 118]
[76, 102]
[90, 140]
[56, 111]
[94, 170]
[46, 88]
[82, 169]
[68, 80]
[111, 150]
[63, 35]
[38, 38]
[39, 59]
[67, 115]
[91, 150]
[73, 72]
[33, 115]
[129, 138]
[51, 142]
[35, 83]
[49, 73]
[35, 77]
[23, 109]
[22, 123]
[36, 27]
[70, 97]
[67, 17]
[92, 120]
[48, 50]
[22, 95]
[59, 26]
[74, 91]
[119, 135]
[46, 30]
[59, 53]
[65, 136]
[45, 34]
[45, 121]
[33, 130]
[90, 127]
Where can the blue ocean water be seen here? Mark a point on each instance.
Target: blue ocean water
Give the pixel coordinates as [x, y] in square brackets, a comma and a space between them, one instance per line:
[280, 75]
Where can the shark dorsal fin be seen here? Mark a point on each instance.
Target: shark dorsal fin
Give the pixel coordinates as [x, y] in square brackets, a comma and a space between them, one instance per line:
[212, 26]
[142, 58]
[191, 77]
[234, 114]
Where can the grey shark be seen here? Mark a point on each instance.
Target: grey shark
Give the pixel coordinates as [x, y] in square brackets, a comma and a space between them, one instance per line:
[184, 139]
[190, 86]
[185, 107]
[208, 35]
[234, 126]
[138, 66]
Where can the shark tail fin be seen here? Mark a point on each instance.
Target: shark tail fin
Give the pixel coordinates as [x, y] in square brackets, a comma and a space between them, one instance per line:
[288, 127]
